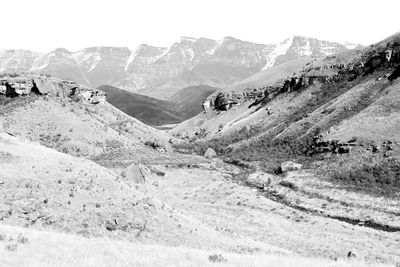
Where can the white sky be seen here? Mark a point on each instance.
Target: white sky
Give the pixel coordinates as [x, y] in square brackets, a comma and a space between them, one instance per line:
[43, 25]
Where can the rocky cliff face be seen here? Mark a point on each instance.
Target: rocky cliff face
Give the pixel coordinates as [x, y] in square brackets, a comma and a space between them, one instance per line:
[24, 84]
[17, 60]
[103, 65]
[299, 46]
[384, 56]
[161, 72]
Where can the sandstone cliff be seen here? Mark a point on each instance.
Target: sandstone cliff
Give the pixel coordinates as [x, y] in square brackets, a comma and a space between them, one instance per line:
[24, 84]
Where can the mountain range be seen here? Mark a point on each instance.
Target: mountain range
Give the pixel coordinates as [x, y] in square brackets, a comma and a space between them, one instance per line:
[161, 72]
[297, 164]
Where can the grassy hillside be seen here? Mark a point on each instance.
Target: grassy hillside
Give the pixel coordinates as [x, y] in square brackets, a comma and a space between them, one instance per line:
[346, 100]
[152, 111]
[189, 100]
[76, 128]
[149, 110]
[273, 74]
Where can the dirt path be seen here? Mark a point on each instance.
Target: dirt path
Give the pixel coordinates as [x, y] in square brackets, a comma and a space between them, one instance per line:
[211, 197]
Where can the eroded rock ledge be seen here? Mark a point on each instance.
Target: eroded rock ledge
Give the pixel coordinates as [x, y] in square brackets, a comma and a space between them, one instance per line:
[15, 85]
[377, 58]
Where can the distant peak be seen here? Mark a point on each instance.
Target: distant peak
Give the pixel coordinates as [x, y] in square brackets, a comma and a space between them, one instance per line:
[147, 47]
[289, 39]
[142, 47]
[185, 39]
[229, 39]
[62, 51]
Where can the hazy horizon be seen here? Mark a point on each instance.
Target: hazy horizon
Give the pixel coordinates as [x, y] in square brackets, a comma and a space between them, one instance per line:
[45, 25]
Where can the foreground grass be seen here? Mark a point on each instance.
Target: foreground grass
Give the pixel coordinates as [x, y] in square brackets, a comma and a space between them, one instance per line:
[56, 249]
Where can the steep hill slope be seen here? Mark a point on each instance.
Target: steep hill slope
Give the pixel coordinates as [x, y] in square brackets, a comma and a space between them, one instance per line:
[339, 96]
[65, 193]
[150, 111]
[190, 99]
[66, 116]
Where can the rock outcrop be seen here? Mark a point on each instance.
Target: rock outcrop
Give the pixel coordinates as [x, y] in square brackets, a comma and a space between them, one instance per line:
[384, 56]
[260, 180]
[24, 84]
[344, 147]
[136, 173]
[225, 99]
[210, 153]
[290, 166]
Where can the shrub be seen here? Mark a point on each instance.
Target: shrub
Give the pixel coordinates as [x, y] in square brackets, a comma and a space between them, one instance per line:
[238, 162]
[216, 258]
[11, 247]
[153, 145]
[288, 184]
[22, 240]
[384, 173]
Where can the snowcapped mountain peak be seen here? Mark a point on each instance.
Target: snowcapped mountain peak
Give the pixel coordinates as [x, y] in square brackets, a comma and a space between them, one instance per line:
[279, 50]
[144, 53]
[160, 70]
[298, 46]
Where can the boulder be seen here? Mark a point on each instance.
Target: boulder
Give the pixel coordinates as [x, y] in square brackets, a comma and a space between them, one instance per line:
[136, 173]
[158, 170]
[222, 102]
[207, 105]
[290, 166]
[121, 223]
[210, 153]
[260, 180]
[245, 130]
[111, 226]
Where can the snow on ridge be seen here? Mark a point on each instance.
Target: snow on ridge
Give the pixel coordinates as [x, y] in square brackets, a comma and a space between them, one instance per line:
[94, 57]
[163, 54]
[42, 62]
[81, 56]
[149, 59]
[131, 57]
[217, 45]
[97, 59]
[36, 67]
[279, 50]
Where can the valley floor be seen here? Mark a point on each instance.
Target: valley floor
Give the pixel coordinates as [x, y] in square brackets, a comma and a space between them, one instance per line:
[246, 213]
[195, 209]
